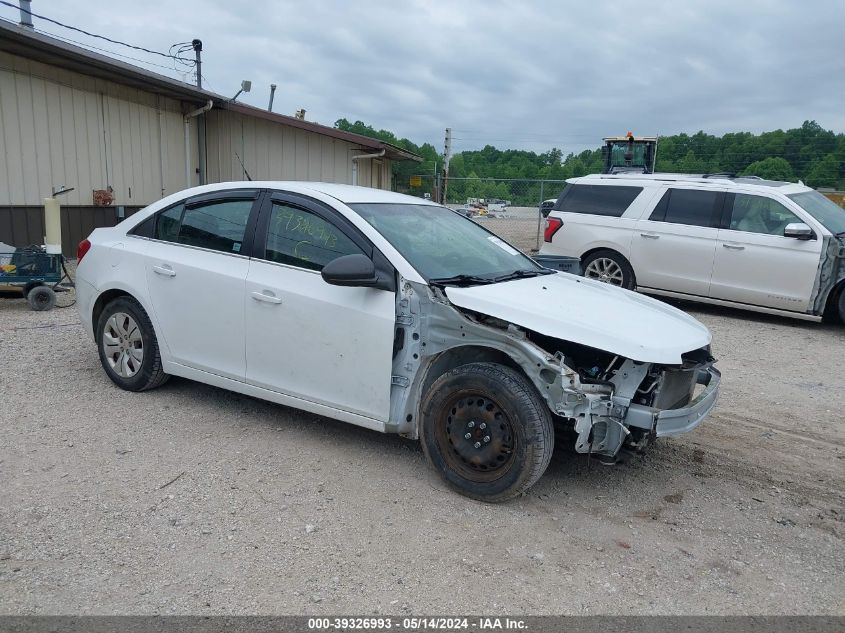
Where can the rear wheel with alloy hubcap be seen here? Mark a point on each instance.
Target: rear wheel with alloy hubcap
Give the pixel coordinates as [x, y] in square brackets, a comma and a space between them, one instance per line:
[128, 347]
[486, 431]
[610, 268]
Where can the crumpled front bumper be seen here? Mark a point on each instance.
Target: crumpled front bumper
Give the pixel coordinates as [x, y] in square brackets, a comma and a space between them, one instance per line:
[668, 422]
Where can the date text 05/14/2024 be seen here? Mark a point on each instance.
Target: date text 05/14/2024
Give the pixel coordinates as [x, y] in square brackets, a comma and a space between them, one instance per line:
[416, 623]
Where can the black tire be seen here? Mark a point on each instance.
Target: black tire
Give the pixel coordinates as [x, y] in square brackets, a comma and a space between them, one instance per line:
[148, 373]
[519, 431]
[41, 298]
[628, 281]
[842, 305]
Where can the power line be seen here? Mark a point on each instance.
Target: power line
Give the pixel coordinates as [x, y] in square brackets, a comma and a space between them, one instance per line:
[89, 34]
[102, 50]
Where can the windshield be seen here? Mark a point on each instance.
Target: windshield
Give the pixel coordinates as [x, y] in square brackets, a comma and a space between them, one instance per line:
[440, 244]
[822, 209]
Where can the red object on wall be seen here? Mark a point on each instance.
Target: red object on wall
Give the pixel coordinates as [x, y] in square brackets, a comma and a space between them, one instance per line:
[103, 197]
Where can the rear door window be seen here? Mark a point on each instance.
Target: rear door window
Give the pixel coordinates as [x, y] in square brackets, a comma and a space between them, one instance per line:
[218, 225]
[604, 200]
[692, 207]
[167, 225]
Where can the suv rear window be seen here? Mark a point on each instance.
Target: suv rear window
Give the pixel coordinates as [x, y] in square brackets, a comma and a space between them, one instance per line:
[597, 199]
[693, 207]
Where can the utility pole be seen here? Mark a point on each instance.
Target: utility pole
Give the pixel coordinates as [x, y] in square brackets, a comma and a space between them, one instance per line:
[201, 141]
[197, 44]
[447, 154]
[272, 93]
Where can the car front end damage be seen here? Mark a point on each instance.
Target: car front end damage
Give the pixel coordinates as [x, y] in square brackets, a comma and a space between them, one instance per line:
[637, 402]
[613, 402]
[830, 275]
[610, 402]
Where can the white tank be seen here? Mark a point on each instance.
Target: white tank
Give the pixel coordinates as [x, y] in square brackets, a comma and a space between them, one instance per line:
[52, 226]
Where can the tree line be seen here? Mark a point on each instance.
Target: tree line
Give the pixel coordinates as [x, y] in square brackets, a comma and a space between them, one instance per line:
[809, 153]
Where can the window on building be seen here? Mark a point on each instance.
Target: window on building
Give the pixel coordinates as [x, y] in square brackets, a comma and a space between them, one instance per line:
[301, 238]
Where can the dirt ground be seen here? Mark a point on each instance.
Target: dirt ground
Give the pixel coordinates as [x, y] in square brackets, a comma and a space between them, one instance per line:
[189, 499]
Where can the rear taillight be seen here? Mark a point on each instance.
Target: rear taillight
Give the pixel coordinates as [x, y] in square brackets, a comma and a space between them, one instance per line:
[84, 247]
[552, 226]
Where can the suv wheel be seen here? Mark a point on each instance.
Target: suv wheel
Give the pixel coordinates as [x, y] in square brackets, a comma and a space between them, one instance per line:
[842, 305]
[128, 347]
[486, 430]
[610, 268]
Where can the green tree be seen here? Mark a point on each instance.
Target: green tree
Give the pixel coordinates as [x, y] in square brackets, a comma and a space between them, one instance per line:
[771, 168]
[824, 172]
[809, 152]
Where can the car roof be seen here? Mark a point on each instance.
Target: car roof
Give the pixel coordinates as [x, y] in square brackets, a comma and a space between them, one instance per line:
[348, 194]
[718, 180]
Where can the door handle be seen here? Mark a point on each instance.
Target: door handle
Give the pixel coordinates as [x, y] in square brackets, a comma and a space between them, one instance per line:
[266, 297]
[734, 247]
[650, 236]
[167, 271]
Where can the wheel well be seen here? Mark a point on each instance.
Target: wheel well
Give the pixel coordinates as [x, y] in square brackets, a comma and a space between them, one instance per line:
[602, 248]
[464, 355]
[831, 309]
[102, 301]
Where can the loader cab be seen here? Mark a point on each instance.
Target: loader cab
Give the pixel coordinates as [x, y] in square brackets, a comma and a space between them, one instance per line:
[629, 154]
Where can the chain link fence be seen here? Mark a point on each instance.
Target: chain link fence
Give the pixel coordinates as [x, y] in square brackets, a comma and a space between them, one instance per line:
[510, 208]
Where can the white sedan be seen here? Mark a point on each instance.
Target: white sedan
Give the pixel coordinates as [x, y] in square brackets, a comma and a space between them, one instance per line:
[395, 314]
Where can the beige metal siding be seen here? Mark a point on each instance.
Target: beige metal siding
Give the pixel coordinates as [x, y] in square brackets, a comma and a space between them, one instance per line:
[63, 128]
[274, 151]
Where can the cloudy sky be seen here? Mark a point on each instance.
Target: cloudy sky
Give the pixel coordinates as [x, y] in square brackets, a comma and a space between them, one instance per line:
[516, 74]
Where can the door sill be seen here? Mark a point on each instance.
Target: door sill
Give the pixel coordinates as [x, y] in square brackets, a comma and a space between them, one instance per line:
[730, 304]
[261, 393]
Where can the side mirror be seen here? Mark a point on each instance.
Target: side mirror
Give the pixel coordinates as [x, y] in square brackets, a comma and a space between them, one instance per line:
[799, 231]
[350, 270]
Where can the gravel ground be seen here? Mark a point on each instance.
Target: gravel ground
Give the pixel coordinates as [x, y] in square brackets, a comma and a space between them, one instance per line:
[521, 226]
[189, 499]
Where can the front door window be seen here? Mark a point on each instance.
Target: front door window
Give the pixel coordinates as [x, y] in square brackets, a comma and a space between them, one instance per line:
[756, 214]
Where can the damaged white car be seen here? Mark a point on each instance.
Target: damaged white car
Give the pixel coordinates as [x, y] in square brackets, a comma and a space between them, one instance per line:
[395, 314]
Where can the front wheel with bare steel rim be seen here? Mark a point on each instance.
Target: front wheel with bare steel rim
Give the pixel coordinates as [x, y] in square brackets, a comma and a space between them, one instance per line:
[486, 430]
[128, 347]
[609, 267]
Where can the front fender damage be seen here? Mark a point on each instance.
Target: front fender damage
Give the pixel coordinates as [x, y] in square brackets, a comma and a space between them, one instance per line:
[590, 390]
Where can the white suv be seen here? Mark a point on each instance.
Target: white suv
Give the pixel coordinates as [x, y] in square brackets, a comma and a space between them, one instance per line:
[763, 245]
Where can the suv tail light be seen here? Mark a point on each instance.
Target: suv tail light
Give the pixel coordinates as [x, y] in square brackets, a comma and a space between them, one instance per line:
[84, 247]
[552, 227]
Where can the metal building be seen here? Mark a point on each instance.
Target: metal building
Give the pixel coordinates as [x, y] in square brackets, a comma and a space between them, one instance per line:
[124, 137]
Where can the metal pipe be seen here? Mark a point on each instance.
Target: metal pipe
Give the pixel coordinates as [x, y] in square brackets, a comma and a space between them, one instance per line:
[272, 94]
[355, 160]
[187, 121]
[26, 14]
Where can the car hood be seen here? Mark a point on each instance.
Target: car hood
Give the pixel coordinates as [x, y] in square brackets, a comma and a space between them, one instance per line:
[590, 313]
